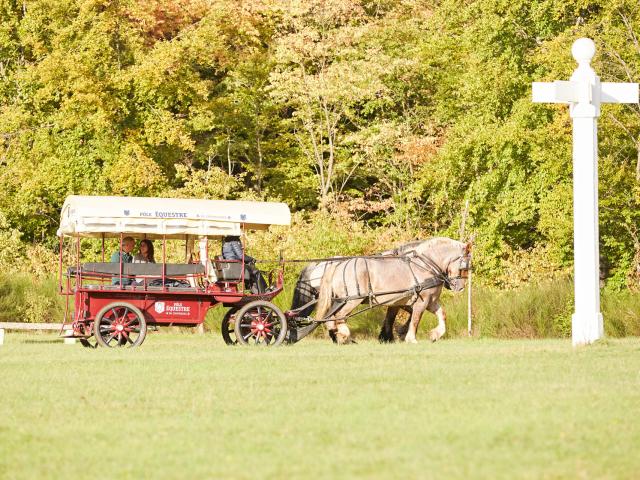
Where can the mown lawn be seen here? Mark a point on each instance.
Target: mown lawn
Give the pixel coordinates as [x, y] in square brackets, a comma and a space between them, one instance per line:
[186, 406]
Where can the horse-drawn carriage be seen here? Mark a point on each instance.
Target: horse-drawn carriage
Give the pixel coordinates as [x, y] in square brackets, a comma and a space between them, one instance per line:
[114, 302]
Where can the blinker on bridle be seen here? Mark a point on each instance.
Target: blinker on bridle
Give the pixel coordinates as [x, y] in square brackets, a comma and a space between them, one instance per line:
[463, 268]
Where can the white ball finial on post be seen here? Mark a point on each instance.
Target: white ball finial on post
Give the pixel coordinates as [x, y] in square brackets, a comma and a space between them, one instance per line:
[583, 50]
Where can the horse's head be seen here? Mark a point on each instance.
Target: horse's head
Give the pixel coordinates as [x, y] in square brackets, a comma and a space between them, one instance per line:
[452, 259]
[459, 265]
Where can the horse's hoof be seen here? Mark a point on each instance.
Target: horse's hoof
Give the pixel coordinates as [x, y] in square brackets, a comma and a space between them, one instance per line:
[434, 337]
[333, 335]
[385, 339]
[410, 340]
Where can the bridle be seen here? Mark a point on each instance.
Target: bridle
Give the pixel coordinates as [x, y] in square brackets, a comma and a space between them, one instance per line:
[464, 267]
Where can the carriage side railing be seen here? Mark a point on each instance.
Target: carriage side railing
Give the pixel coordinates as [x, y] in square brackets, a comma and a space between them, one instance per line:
[160, 277]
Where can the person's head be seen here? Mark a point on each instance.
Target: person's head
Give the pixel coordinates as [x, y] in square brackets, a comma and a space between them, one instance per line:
[146, 250]
[127, 244]
[231, 238]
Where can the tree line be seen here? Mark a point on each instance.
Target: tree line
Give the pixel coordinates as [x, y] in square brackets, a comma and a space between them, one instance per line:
[389, 115]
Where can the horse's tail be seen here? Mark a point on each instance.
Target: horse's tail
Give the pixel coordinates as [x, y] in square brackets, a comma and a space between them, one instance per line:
[325, 295]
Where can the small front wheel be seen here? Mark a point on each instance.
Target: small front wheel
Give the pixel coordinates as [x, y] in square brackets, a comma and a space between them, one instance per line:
[260, 323]
[120, 324]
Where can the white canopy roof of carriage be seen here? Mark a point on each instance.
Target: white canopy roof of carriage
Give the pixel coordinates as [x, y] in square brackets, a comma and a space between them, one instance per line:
[93, 216]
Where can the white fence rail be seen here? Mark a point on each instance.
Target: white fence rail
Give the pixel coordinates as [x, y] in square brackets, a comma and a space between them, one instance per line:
[34, 326]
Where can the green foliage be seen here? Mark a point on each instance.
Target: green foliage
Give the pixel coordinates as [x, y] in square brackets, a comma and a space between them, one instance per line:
[10, 245]
[389, 115]
[24, 299]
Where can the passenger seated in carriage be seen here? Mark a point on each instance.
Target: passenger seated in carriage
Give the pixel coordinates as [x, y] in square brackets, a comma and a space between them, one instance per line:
[127, 247]
[145, 254]
[232, 249]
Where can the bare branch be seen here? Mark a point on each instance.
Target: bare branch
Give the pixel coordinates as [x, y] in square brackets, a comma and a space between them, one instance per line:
[630, 31]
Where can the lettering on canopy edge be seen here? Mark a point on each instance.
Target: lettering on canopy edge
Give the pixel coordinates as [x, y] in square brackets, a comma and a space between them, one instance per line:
[158, 214]
[213, 217]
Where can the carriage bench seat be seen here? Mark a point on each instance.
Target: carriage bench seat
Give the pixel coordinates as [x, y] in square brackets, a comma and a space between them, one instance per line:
[146, 269]
[228, 270]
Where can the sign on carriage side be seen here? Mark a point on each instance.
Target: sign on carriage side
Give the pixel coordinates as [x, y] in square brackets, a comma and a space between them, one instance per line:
[584, 94]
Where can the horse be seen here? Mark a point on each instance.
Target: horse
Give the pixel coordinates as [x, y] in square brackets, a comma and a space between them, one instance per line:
[307, 286]
[413, 279]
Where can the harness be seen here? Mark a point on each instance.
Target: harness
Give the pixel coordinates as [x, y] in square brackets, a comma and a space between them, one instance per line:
[413, 259]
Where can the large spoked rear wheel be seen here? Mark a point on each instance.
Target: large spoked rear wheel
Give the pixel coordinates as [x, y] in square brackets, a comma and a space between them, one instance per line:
[228, 329]
[120, 324]
[260, 323]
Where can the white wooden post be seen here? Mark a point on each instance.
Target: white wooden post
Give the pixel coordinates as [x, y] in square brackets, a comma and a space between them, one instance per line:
[584, 93]
[1, 336]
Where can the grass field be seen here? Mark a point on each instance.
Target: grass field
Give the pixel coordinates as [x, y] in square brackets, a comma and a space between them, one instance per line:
[186, 406]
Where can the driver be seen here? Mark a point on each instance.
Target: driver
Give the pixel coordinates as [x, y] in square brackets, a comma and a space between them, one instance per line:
[232, 249]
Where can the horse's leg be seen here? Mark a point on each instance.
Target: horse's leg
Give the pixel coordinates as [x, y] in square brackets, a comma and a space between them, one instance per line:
[403, 329]
[386, 332]
[416, 315]
[342, 332]
[437, 333]
[331, 328]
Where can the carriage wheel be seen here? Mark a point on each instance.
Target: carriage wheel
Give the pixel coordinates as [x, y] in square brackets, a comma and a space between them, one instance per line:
[260, 323]
[228, 328]
[120, 324]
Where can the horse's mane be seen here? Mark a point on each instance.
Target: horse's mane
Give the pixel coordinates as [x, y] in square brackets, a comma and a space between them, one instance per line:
[433, 242]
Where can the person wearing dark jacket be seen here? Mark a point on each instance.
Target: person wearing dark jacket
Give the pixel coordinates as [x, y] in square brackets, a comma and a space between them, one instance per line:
[232, 249]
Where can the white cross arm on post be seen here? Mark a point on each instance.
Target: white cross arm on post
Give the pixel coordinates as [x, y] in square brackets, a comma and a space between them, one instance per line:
[556, 92]
[573, 92]
[619, 92]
